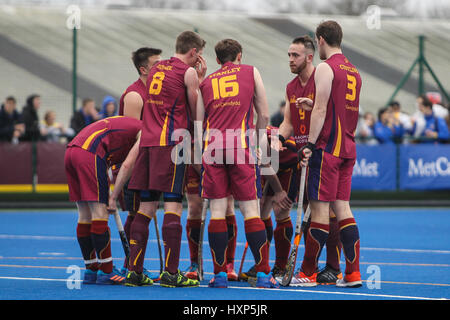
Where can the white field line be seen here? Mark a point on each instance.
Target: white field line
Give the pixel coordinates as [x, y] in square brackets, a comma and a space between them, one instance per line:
[31, 237]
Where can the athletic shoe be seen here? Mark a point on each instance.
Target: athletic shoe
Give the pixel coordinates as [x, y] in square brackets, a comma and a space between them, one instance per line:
[302, 280]
[114, 277]
[278, 272]
[352, 280]
[219, 281]
[90, 277]
[231, 274]
[328, 276]
[266, 281]
[192, 271]
[177, 280]
[152, 275]
[124, 271]
[251, 273]
[135, 279]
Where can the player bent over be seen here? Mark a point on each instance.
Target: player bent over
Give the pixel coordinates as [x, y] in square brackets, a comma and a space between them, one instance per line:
[88, 156]
[194, 222]
[229, 97]
[330, 155]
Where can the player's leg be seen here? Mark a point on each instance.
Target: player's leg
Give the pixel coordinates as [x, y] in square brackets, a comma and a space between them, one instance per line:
[131, 203]
[232, 238]
[349, 232]
[85, 242]
[101, 239]
[193, 224]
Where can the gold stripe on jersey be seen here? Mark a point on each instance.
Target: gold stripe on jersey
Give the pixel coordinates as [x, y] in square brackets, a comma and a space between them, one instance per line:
[207, 135]
[88, 141]
[243, 143]
[337, 148]
[162, 138]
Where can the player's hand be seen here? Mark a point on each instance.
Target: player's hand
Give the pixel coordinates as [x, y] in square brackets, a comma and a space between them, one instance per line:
[431, 134]
[276, 144]
[200, 67]
[112, 205]
[304, 104]
[305, 153]
[281, 199]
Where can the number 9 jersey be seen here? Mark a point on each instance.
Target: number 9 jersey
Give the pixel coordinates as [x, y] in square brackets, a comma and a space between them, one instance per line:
[228, 98]
[166, 109]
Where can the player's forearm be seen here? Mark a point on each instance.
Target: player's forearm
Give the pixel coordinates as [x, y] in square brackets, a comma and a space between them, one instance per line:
[286, 129]
[274, 182]
[317, 120]
[122, 177]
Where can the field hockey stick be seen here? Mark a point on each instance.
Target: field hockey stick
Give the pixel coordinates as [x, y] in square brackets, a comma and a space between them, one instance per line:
[200, 239]
[161, 263]
[123, 237]
[290, 266]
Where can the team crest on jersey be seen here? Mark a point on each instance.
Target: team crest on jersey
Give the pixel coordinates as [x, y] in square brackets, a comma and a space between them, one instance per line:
[310, 96]
[346, 60]
[292, 99]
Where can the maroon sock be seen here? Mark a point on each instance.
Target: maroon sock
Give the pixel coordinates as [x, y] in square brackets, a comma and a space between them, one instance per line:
[317, 237]
[171, 234]
[127, 229]
[86, 246]
[350, 243]
[232, 232]
[269, 228]
[101, 239]
[333, 245]
[193, 237]
[283, 236]
[218, 242]
[138, 242]
[255, 232]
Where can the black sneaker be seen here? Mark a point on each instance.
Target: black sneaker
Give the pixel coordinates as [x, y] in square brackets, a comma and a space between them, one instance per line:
[135, 279]
[177, 280]
[328, 276]
[249, 275]
[278, 272]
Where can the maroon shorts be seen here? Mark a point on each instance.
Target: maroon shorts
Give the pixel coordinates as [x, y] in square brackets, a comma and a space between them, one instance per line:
[154, 170]
[231, 178]
[329, 177]
[87, 176]
[129, 200]
[193, 181]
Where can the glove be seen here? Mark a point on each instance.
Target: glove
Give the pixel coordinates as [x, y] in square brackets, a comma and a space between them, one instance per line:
[301, 152]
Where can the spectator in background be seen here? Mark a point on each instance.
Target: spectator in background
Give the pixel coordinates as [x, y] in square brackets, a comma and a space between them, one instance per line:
[403, 118]
[387, 130]
[85, 116]
[438, 109]
[31, 118]
[52, 131]
[366, 127]
[11, 124]
[435, 129]
[109, 107]
[277, 118]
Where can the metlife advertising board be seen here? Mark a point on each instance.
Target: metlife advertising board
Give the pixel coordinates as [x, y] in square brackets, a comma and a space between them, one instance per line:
[425, 167]
[375, 168]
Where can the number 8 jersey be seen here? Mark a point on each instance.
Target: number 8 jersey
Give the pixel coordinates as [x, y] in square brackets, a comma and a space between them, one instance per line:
[338, 133]
[166, 109]
[228, 98]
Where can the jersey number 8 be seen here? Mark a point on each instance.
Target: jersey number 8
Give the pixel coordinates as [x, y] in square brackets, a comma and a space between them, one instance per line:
[156, 85]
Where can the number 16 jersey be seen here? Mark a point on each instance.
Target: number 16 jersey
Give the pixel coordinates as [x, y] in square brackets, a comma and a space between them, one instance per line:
[166, 109]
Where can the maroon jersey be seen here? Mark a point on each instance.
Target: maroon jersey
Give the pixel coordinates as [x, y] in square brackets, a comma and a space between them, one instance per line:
[287, 157]
[111, 139]
[139, 87]
[338, 133]
[166, 108]
[228, 99]
[300, 119]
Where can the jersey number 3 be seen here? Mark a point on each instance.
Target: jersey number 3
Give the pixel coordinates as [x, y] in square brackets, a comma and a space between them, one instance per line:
[225, 87]
[156, 85]
[351, 84]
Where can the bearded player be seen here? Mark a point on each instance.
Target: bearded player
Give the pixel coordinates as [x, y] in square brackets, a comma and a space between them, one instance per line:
[131, 105]
[330, 155]
[173, 91]
[297, 122]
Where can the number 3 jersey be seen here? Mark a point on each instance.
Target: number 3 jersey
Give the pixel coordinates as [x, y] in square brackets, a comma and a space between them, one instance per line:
[300, 119]
[228, 98]
[166, 108]
[338, 133]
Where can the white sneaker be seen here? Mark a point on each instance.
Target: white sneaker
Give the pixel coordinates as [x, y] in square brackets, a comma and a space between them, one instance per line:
[302, 280]
[352, 280]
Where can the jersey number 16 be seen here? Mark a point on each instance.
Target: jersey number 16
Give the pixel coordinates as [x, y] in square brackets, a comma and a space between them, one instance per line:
[225, 87]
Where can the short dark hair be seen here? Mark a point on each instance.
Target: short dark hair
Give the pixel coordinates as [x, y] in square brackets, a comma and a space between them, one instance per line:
[86, 101]
[425, 101]
[307, 42]
[188, 40]
[141, 55]
[11, 98]
[331, 32]
[227, 50]
[380, 112]
[394, 103]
